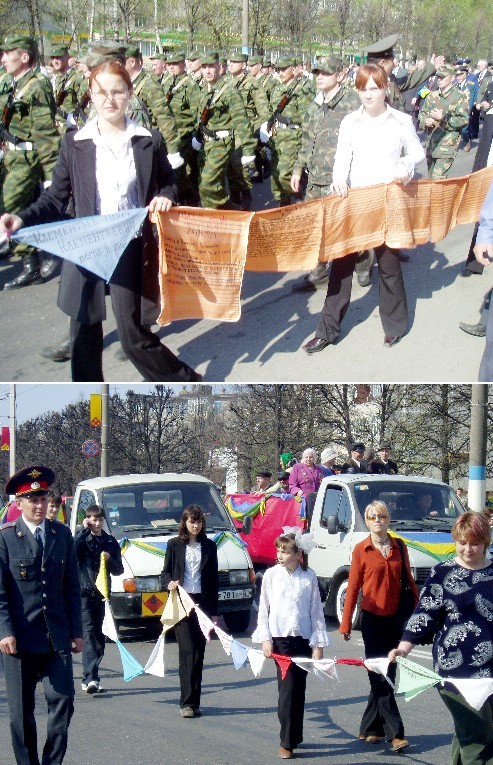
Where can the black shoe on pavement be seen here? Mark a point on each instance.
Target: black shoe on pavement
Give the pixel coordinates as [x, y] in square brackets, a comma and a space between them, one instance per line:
[30, 274]
[316, 344]
[60, 352]
[390, 340]
[478, 330]
[49, 266]
[465, 273]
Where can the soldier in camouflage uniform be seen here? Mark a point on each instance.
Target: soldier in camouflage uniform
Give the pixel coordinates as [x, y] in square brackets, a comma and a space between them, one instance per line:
[221, 118]
[31, 143]
[194, 69]
[184, 96]
[262, 154]
[157, 109]
[267, 77]
[286, 132]
[444, 113]
[320, 129]
[257, 108]
[158, 66]
[68, 88]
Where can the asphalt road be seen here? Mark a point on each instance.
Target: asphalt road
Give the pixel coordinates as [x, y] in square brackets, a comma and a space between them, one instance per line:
[139, 723]
[265, 344]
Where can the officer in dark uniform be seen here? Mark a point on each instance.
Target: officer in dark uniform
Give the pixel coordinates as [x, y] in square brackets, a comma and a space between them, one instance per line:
[356, 463]
[383, 463]
[40, 617]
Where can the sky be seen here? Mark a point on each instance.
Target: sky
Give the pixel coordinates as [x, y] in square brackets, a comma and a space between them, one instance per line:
[34, 399]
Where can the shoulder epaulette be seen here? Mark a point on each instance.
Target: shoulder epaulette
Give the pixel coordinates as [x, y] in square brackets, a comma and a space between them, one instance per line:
[7, 525]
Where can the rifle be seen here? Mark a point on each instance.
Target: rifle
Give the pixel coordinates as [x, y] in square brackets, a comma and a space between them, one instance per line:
[285, 99]
[204, 118]
[5, 135]
[79, 109]
[169, 94]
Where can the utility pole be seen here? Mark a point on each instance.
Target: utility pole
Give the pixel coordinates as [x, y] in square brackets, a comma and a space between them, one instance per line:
[12, 426]
[476, 493]
[244, 28]
[105, 393]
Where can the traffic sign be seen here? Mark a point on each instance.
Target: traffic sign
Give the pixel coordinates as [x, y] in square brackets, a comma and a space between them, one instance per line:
[90, 448]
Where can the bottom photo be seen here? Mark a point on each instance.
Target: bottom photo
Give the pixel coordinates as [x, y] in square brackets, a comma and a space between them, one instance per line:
[303, 570]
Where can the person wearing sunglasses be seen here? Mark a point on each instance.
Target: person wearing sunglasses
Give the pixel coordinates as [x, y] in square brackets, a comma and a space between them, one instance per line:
[376, 569]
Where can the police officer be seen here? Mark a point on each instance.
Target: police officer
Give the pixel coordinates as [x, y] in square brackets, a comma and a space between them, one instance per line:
[444, 113]
[40, 617]
[288, 104]
[220, 119]
[31, 143]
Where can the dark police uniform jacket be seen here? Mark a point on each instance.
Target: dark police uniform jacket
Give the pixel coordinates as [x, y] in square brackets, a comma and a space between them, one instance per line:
[174, 570]
[379, 466]
[39, 590]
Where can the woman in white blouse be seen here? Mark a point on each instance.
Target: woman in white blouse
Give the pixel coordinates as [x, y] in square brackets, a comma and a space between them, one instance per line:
[377, 144]
[111, 164]
[291, 622]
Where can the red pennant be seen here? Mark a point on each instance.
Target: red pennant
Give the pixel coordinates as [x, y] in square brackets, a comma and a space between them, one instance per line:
[284, 663]
[352, 662]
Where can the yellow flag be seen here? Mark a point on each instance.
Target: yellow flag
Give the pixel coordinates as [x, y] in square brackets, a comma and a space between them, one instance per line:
[95, 410]
[173, 611]
[102, 579]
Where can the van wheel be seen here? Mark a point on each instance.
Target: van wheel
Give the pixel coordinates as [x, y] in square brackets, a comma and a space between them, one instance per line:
[237, 621]
[340, 598]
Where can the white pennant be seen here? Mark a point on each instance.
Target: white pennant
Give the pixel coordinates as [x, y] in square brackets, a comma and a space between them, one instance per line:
[256, 659]
[186, 600]
[108, 627]
[225, 639]
[325, 668]
[156, 664]
[381, 666]
[205, 624]
[475, 691]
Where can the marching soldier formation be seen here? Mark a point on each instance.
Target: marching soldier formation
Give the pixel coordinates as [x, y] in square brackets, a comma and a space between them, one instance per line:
[225, 125]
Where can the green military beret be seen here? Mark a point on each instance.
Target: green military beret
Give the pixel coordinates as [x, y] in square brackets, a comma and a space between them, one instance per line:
[328, 65]
[91, 60]
[210, 57]
[445, 70]
[158, 56]
[177, 57]
[133, 51]
[254, 60]
[284, 61]
[239, 57]
[267, 61]
[24, 42]
[58, 51]
[383, 48]
[193, 56]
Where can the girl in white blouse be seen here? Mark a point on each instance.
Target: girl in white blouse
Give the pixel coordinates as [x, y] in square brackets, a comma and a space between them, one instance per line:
[291, 622]
[376, 144]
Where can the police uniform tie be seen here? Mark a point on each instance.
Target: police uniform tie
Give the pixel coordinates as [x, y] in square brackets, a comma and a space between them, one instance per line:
[38, 537]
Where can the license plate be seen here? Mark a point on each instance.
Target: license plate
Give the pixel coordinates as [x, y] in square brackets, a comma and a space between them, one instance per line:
[234, 594]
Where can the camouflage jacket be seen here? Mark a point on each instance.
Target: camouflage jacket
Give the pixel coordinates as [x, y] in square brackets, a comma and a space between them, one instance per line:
[153, 96]
[295, 110]
[227, 112]
[320, 129]
[68, 91]
[444, 138]
[183, 96]
[254, 99]
[32, 117]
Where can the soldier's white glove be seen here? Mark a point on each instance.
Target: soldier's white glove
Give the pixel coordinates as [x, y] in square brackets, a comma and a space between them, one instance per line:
[247, 160]
[264, 133]
[70, 120]
[46, 184]
[196, 145]
[176, 160]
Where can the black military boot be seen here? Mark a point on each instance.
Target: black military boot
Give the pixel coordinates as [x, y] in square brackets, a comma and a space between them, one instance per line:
[30, 273]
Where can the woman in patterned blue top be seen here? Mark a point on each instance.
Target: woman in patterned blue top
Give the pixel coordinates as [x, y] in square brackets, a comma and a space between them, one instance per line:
[455, 612]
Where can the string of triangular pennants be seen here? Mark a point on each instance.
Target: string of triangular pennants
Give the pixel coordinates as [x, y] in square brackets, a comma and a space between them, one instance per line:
[413, 677]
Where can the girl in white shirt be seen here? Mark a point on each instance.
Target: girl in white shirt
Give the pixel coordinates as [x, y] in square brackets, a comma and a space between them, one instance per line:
[291, 622]
[376, 144]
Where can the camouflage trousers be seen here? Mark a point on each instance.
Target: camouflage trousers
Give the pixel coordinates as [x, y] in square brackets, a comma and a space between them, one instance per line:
[440, 155]
[439, 167]
[20, 181]
[238, 177]
[315, 191]
[285, 147]
[214, 160]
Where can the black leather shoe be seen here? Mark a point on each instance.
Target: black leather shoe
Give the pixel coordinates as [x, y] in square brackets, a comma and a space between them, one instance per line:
[389, 340]
[316, 344]
[29, 275]
[305, 285]
[478, 330]
[60, 352]
[465, 273]
[49, 266]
